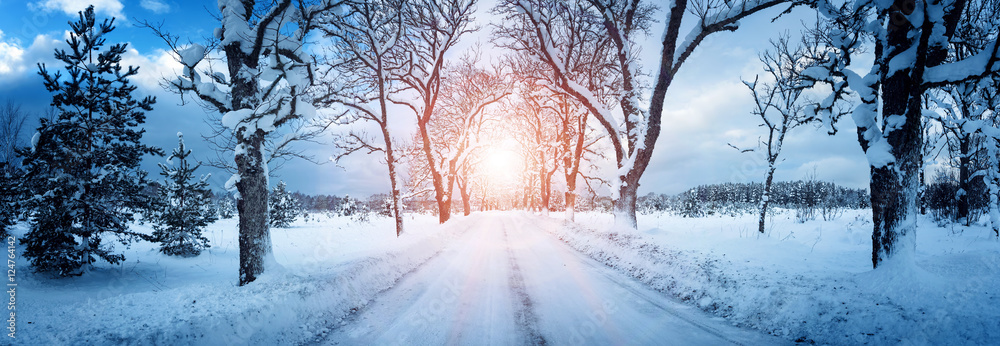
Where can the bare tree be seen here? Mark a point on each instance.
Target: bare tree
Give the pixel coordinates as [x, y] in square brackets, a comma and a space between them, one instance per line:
[433, 28]
[536, 122]
[550, 29]
[991, 176]
[12, 119]
[466, 93]
[962, 103]
[364, 55]
[577, 138]
[912, 54]
[269, 76]
[780, 106]
[962, 124]
[585, 54]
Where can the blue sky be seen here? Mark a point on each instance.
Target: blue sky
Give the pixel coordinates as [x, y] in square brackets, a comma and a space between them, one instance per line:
[706, 108]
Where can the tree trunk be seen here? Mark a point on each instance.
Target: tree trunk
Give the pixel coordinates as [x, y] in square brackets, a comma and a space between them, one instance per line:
[624, 206]
[570, 206]
[993, 149]
[921, 195]
[444, 208]
[894, 186]
[463, 189]
[572, 166]
[390, 158]
[545, 190]
[765, 198]
[254, 238]
[963, 179]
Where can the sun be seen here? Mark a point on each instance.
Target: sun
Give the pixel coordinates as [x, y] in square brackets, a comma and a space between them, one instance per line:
[501, 164]
[501, 161]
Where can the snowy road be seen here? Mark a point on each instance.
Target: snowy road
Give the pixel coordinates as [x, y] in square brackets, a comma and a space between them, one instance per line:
[508, 281]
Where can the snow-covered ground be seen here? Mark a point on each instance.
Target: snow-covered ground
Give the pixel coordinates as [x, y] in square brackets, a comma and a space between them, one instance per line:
[812, 281]
[329, 267]
[506, 278]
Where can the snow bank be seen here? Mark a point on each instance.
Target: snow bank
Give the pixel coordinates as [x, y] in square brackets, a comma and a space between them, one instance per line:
[329, 268]
[811, 282]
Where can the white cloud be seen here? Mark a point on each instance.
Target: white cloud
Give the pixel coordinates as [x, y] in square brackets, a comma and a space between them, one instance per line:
[153, 68]
[11, 56]
[71, 7]
[18, 61]
[155, 6]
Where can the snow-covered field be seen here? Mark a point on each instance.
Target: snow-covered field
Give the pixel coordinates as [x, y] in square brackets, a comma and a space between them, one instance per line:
[812, 281]
[344, 281]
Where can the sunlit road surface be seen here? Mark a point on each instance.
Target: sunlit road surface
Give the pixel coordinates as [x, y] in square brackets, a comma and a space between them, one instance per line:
[507, 281]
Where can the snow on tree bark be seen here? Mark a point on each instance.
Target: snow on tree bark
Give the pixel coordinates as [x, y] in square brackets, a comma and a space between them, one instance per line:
[269, 75]
[911, 55]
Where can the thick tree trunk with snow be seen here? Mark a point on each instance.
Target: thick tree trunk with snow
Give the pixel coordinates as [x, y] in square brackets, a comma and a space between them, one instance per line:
[570, 206]
[894, 186]
[252, 31]
[624, 206]
[571, 164]
[255, 237]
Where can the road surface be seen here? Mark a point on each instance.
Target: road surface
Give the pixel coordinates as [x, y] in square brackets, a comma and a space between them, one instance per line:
[507, 281]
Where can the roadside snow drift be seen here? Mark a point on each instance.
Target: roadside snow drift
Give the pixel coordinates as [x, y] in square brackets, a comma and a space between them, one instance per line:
[811, 282]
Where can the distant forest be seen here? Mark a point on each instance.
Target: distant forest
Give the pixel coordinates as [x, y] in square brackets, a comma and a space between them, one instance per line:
[809, 199]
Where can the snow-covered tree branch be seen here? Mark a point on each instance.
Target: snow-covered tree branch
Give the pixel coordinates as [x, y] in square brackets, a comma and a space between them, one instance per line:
[269, 72]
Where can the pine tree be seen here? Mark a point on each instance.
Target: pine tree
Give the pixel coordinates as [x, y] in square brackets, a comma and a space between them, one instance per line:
[226, 206]
[83, 166]
[186, 206]
[283, 207]
[8, 191]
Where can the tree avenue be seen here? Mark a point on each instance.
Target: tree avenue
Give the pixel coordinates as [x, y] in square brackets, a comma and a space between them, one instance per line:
[559, 111]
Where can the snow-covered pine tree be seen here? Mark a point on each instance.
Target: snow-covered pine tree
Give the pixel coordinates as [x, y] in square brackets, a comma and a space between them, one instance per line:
[284, 207]
[8, 191]
[226, 206]
[186, 206]
[353, 208]
[82, 168]
[12, 119]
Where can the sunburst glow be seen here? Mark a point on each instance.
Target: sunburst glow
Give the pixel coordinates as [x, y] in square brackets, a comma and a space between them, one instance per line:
[502, 165]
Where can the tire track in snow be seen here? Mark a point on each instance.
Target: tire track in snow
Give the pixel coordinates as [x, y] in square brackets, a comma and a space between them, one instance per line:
[357, 311]
[524, 312]
[615, 275]
[334, 323]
